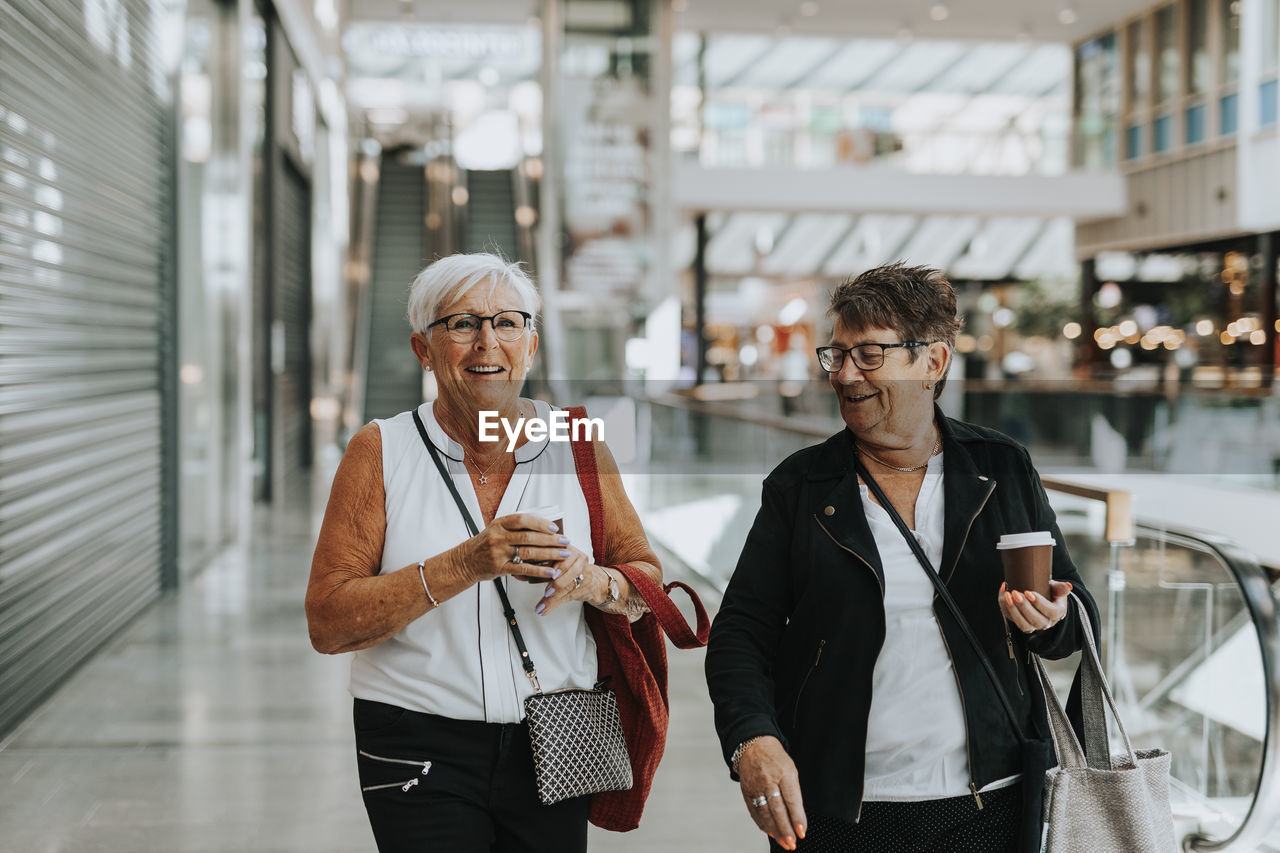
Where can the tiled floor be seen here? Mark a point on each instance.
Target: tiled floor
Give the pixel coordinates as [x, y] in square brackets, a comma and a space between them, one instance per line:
[211, 725]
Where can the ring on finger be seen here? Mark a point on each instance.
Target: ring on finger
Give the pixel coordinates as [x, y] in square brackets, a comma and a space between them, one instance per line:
[516, 557]
[577, 582]
[760, 801]
[775, 794]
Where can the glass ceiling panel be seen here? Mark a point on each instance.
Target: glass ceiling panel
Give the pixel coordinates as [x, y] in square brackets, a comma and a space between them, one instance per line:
[789, 61]
[852, 65]
[1053, 253]
[939, 240]
[875, 240]
[996, 248]
[727, 56]
[915, 67]
[732, 249]
[806, 243]
[981, 68]
[1045, 71]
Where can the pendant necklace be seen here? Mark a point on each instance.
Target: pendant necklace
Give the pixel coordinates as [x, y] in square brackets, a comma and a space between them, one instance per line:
[484, 479]
[937, 446]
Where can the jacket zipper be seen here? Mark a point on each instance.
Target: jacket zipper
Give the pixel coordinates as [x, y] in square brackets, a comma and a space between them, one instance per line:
[403, 786]
[968, 748]
[862, 783]
[1017, 673]
[795, 714]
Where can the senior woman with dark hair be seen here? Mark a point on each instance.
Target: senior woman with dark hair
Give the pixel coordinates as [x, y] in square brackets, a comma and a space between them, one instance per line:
[849, 705]
[444, 754]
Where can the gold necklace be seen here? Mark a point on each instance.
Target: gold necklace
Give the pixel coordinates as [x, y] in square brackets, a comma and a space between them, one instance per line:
[937, 446]
[483, 478]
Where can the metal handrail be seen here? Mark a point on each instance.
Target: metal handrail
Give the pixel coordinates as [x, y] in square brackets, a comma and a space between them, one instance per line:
[1253, 580]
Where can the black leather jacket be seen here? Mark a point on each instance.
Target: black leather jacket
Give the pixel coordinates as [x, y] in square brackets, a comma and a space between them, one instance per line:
[793, 647]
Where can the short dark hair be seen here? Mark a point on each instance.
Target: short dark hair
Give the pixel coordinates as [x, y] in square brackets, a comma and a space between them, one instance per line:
[916, 302]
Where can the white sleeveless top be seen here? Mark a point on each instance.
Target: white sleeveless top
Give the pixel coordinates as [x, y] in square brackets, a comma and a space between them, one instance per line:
[459, 660]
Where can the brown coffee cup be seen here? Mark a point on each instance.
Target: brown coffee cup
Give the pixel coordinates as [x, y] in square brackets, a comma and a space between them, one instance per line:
[1028, 561]
[555, 515]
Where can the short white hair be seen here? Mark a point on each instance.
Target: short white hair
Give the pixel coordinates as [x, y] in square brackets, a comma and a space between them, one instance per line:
[447, 280]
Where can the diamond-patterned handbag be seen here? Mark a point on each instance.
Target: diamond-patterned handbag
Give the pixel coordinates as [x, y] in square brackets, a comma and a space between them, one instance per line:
[576, 733]
[578, 745]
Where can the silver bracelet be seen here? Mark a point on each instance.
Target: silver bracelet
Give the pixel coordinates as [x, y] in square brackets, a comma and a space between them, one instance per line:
[422, 577]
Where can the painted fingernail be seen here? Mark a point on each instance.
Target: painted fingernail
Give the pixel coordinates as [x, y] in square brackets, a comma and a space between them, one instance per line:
[553, 528]
[1070, 585]
[1017, 597]
[1031, 596]
[555, 573]
[800, 831]
[551, 590]
[789, 843]
[1004, 585]
[564, 540]
[564, 553]
[540, 609]
[1008, 598]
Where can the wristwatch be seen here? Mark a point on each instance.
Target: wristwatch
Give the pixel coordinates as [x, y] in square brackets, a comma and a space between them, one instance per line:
[613, 588]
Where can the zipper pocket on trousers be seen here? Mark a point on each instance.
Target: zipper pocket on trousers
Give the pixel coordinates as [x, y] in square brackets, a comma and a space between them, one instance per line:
[404, 786]
[795, 714]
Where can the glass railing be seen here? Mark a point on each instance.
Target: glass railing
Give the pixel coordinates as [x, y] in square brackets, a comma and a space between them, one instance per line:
[1189, 621]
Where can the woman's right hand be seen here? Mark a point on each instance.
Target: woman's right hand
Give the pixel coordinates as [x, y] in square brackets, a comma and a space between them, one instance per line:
[489, 554]
[766, 770]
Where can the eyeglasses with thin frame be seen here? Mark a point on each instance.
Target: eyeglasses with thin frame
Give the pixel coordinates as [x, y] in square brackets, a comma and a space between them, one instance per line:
[463, 328]
[865, 356]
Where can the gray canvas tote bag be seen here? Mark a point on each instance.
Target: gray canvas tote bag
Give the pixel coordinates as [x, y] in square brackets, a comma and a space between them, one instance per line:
[1104, 804]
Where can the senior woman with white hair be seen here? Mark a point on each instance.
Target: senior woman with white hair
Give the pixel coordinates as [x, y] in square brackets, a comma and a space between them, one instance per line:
[443, 752]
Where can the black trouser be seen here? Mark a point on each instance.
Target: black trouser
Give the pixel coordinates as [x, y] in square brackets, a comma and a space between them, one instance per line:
[953, 825]
[477, 796]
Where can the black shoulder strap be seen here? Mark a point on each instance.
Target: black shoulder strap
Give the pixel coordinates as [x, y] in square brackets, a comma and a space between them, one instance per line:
[507, 610]
[943, 592]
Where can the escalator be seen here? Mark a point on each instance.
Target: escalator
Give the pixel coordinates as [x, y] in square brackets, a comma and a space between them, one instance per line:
[392, 378]
[490, 224]
[400, 244]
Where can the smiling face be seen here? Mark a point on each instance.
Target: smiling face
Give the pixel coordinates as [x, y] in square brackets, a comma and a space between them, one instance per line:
[485, 373]
[889, 406]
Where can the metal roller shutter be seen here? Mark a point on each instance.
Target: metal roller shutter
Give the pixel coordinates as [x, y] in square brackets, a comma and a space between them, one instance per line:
[85, 194]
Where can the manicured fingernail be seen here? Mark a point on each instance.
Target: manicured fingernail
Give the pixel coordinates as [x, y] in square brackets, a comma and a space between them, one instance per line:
[800, 831]
[540, 609]
[1031, 596]
[555, 573]
[551, 590]
[564, 540]
[789, 843]
[1004, 585]
[1008, 598]
[553, 528]
[564, 553]
[1017, 597]
[1069, 585]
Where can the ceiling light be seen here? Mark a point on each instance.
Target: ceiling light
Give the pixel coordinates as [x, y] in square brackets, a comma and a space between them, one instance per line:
[808, 9]
[1067, 16]
[939, 12]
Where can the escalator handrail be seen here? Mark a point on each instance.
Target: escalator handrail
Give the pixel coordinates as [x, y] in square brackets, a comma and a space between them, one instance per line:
[1260, 601]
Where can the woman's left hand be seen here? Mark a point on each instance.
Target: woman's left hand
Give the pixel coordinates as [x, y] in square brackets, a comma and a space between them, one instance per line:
[1029, 612]
[593, 586]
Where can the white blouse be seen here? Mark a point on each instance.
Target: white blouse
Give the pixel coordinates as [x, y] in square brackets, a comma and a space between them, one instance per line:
[916, 737]
[459, 660]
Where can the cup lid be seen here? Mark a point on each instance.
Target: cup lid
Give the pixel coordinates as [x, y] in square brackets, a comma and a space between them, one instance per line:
[1024, 540]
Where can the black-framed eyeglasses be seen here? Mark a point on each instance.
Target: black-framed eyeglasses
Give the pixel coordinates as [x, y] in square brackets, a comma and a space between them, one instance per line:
[865, 356]
[463, 328]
